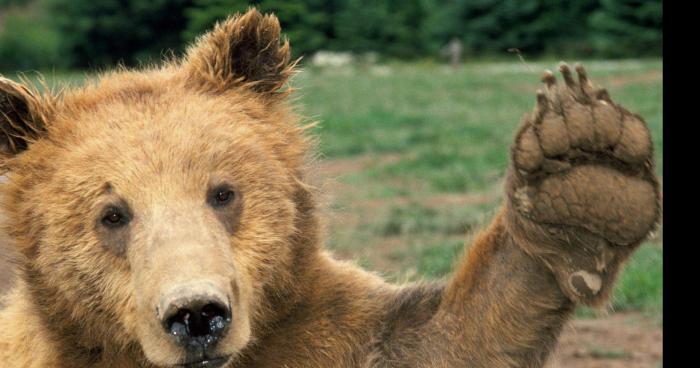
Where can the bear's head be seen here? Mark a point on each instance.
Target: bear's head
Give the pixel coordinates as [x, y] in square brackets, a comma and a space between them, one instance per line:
[163, 210]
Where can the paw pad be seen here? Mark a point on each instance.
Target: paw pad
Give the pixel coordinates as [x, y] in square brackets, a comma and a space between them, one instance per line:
[581, 160]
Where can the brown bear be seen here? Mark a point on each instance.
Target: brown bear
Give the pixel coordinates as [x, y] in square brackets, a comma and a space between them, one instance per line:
[164, 218]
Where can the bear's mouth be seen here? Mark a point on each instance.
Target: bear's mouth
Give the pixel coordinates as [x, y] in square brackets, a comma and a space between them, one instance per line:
[206, 363]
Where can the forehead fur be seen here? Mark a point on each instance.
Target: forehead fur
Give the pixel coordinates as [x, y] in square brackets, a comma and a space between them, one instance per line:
[158, 118]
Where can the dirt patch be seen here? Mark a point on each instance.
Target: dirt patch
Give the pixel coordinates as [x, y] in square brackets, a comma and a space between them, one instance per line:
[333, 168]
[651, 76]
[330, 173]
[620, 340]
[339, 166]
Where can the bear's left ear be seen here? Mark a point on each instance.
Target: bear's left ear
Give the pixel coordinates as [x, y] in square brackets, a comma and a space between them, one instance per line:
[242, 51]
[22, 118]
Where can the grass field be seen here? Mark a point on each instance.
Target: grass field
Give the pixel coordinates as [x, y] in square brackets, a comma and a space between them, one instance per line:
[413, 157]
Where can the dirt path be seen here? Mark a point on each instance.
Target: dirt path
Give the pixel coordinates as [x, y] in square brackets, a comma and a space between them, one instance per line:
[620, 340]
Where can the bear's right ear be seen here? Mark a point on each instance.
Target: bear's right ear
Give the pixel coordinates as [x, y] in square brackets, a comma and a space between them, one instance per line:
[242, 51]
[22, 119]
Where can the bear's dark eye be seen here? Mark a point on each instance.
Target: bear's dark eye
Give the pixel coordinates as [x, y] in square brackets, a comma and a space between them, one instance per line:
[114, 218]
[223, 196]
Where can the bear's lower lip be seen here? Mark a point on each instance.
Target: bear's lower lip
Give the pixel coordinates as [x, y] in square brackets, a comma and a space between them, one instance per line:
[206, 363]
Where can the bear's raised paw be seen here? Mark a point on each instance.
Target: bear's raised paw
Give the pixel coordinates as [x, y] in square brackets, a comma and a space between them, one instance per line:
[582, 193]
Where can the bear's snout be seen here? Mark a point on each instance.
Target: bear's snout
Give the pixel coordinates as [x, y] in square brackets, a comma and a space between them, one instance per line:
[195, 315]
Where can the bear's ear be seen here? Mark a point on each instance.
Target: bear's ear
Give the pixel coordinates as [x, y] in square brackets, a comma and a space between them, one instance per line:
[244, 50]
[22, 118]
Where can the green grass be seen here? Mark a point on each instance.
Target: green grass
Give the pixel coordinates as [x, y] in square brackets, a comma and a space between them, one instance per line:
[431, 148]
[642, 282]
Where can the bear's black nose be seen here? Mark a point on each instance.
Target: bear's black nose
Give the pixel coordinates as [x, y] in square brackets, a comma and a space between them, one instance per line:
[197, 322]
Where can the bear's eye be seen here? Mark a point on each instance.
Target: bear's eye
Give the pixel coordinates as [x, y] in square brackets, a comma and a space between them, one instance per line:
[223, 196]
[114, 218]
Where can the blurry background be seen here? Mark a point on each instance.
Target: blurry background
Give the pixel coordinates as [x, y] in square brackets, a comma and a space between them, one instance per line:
[418, 102]
[37, 34]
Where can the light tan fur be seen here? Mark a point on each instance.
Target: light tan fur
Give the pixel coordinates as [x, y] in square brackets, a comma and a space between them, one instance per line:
[580, 198]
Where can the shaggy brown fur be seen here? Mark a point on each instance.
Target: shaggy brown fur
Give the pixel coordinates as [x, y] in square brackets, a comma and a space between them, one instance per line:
[581, 195]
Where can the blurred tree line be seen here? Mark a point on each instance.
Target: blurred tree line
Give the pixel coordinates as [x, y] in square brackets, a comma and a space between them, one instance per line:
[39, 34]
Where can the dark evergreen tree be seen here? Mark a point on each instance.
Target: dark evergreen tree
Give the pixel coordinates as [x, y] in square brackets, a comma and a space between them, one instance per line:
[89, 33]
[202, 15]
[98, 33]
[307, 23]
[628, 27]
[389, 27]
[494, 26]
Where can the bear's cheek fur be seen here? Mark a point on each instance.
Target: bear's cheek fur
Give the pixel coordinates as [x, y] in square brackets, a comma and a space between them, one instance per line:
[79, 285]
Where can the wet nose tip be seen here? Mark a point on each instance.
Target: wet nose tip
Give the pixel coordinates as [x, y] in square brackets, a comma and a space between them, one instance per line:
[196, 320]
[205, 319]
